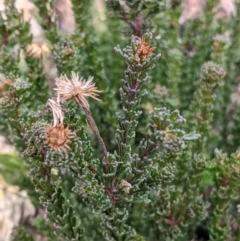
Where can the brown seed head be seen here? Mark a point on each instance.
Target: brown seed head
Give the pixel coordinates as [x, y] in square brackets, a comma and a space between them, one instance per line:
[76, 88]
[38, 49]
[58, 137]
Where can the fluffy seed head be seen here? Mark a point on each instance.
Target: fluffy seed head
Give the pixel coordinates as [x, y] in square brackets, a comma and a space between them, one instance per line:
[69, 88]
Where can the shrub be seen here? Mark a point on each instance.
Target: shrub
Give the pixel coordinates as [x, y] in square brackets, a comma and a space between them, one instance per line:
[156, 160]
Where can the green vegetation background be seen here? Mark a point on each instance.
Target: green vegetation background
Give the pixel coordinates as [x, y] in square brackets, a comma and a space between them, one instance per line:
[199, 189]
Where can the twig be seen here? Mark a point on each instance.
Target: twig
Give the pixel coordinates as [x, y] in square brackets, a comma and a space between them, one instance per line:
[50, 80]
[95, 130]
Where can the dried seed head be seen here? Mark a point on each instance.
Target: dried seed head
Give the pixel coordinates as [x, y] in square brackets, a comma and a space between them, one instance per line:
[38, 49]
[76, 88]
[58, 137]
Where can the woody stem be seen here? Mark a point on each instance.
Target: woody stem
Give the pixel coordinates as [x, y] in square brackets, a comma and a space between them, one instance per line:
[50, 80]
[95, 130]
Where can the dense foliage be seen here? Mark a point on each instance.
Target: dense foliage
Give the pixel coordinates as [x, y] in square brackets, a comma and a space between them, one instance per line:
[158, 157]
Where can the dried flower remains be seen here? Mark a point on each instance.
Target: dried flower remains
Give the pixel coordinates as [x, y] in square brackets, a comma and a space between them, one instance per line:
[144, 49]
[126, 186]
[57, 136]
[57, 112]
[69, 88]
[38, 49]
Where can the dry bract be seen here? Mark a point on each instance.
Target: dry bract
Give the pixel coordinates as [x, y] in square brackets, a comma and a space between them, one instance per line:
[58, 137]
[126, 186]
[144, 50]
[76, 88]
[38, 49]
[58, 115]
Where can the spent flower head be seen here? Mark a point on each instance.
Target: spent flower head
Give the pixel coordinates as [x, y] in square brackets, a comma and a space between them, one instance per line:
[58, 137]
[143, 48]
[78, 88]
[38, 49]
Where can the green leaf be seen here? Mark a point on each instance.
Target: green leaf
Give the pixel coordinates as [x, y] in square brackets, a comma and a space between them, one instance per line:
[207, 178]
[11, 163]
[191, 137]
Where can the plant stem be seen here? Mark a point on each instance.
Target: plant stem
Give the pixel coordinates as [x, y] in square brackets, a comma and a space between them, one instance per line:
[50, 80]
[95, 130]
